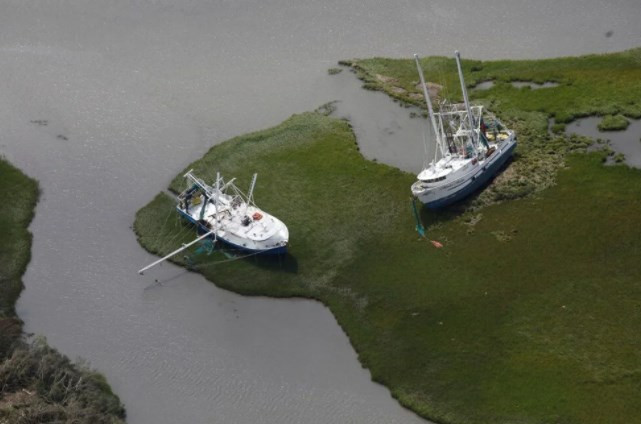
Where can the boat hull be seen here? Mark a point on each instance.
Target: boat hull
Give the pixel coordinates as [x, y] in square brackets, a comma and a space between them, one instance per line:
[280, 250]
[471, 185]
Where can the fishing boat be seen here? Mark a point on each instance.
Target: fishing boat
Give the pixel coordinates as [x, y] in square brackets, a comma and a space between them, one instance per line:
[471, 146]
[222, 212]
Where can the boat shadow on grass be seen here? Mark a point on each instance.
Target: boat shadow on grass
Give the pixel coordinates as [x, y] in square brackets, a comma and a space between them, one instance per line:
[278, 263]
[286, 263]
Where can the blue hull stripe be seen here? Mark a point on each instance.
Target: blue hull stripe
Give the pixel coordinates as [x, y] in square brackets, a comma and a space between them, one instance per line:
[475, 185]
[275, 251]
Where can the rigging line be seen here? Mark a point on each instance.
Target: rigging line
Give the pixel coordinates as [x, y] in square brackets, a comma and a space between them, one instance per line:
[441, 127]
[206, 265]
[162, 229]
[424, 144]
[444, 94]
[444, 82]
[181, 233]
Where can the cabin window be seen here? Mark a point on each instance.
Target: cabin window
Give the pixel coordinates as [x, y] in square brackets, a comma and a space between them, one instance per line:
[433, 180]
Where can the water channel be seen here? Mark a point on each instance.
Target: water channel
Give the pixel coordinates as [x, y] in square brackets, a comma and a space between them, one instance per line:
[105, 102]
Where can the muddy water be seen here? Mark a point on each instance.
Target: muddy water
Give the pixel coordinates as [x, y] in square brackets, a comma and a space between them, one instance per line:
[627, 142]
[103, 102]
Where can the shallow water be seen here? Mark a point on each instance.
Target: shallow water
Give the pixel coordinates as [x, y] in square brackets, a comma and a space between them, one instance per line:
[104, 102]
[486, 85]
[627, 142]
[385, 131]
[533, 85]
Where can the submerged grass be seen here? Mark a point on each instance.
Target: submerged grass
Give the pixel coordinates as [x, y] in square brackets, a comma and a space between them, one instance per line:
[528, 314]
[37, 384]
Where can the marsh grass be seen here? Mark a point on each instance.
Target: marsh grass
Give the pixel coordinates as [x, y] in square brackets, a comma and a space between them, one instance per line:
[19, 194]
[37, 383]
[606, 85]
[613, 123]
[530, 312]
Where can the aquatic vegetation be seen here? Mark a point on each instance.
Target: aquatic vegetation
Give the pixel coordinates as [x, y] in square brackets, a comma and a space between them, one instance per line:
[529, 313]
[37, 383]
[334, 71]
[41, 385]
[613, 123]
[558, 128]
[618, 158]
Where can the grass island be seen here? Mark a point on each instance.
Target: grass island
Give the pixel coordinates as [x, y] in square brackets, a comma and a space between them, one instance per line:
[37, 383]
[529, 313]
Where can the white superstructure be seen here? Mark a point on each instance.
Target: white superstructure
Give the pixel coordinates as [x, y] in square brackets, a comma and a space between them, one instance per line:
[471, 146]
[222, 212]
[232, 216]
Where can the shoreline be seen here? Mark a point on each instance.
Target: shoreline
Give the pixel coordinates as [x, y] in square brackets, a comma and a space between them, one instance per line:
[442, 328]
[38, 383]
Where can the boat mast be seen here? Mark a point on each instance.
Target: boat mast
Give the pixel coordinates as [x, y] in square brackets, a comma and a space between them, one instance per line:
[470, 118]
[216, 194]
[429, 105]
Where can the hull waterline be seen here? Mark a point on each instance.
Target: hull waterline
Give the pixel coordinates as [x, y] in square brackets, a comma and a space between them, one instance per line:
[476, 182]
[280, 250]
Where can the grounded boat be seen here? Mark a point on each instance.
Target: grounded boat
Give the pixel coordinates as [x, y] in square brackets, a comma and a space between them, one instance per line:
[231, 216]
[222, 212]
[471, 147]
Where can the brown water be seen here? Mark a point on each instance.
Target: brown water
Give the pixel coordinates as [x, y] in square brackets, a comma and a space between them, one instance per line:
[104, 102]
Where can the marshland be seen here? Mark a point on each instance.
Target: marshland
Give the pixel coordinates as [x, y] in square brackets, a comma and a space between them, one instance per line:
[105, 104]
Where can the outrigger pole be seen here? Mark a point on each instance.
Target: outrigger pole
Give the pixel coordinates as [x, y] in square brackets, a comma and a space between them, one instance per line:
[175, 252]
[429, 105]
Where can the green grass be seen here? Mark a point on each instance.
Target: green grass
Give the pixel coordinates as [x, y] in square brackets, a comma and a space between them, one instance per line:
[20, 195]
[37, 383]
[613, 123]
[606, 84]
[529, 314]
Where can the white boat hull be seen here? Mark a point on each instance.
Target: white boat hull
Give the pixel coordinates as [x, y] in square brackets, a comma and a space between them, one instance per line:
[274, 245]
[445, 194]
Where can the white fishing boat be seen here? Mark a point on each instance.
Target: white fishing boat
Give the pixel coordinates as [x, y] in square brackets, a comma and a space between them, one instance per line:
[232, 216]
[471, 146]
[222, 212]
